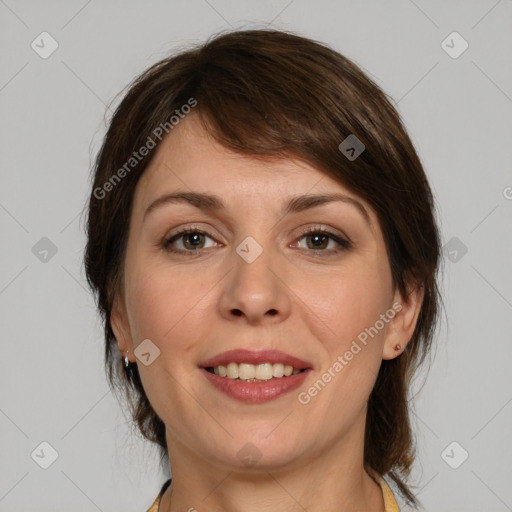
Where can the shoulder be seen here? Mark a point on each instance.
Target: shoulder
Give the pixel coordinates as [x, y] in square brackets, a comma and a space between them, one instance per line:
[389, 499]
[156, 503]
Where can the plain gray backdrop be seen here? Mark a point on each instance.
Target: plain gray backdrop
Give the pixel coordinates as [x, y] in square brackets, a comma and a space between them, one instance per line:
[456, 102]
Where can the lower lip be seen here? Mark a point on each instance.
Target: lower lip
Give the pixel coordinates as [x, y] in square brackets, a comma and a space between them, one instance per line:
[256, 392]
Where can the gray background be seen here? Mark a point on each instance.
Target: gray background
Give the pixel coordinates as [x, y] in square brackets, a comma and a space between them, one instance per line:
[458, 113]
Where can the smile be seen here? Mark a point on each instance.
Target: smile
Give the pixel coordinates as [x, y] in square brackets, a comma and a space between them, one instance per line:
[254, 373]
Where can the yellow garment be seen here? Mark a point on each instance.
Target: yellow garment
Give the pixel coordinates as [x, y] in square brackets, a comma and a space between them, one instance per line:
[389, 500]
[390, 504]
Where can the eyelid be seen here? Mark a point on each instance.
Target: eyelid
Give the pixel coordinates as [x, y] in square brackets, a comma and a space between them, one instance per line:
[338, 236]
[343, 241]
[192, 228]
[328, 229]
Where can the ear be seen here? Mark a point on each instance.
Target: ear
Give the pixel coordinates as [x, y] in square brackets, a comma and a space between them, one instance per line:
[121, 327]
[401, 327]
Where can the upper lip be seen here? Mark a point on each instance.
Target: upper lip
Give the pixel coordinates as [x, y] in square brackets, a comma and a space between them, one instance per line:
[255, 357]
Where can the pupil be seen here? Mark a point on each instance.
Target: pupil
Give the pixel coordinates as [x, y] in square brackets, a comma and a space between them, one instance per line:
[317, 238]
[195, 236]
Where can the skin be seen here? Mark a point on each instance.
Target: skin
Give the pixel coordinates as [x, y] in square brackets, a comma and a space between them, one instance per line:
[305, 302]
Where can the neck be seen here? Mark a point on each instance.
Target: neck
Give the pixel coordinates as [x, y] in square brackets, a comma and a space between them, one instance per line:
[324, 482]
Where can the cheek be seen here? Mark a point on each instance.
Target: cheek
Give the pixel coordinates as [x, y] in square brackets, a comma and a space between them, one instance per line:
[348, 303]
[162, 303]
[342, 313]
[145, 303]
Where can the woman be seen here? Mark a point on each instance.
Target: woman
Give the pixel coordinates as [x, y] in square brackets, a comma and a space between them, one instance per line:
[262, 243]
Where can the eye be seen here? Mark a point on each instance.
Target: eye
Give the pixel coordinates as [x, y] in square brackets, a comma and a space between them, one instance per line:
[188, 240]
[191, 241]
[318, 240]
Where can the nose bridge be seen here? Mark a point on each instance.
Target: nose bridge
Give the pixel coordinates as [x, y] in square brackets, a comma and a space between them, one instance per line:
[254, 289]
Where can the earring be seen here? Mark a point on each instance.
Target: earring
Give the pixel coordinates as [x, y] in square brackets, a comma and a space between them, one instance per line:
[127, 367]
[398, 347]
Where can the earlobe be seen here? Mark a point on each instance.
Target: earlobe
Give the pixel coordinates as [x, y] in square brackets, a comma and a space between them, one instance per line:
[401, 328]
[120, 328]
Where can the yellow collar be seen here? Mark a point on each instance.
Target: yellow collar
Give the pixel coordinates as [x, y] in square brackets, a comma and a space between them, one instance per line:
[390, 503]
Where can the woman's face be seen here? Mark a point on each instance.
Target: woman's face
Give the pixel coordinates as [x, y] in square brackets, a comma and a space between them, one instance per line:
[254, 273]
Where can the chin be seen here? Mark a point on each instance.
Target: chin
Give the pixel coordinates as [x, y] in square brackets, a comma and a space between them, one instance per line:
[259, 453]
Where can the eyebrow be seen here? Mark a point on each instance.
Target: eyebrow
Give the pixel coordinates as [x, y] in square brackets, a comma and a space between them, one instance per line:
[295, 204]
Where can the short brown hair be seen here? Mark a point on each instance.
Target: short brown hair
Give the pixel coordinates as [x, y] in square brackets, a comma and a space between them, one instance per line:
[274, 94]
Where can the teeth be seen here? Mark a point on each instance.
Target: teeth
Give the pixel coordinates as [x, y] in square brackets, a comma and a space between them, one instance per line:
[255, 373]
[278, 370]
[263, 371]
[231, 371]
[246, 371]
[288, 370]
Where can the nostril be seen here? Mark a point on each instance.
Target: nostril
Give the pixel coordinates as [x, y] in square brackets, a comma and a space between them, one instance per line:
[237, 312]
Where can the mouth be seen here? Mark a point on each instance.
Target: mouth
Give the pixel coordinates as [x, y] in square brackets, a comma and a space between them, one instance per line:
[262, 365]
[254, 373]
[255, 377]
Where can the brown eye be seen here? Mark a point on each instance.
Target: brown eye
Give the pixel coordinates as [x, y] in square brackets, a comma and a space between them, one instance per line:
[193, 241]
[319, 240]
[187, 241]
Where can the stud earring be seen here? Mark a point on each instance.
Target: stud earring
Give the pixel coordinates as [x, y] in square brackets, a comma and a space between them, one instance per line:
[398, 347]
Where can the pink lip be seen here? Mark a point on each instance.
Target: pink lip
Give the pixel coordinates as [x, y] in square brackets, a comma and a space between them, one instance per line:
[256, 392]
[255, 357]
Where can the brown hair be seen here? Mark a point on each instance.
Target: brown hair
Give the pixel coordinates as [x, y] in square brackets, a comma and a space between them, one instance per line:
[274, 94]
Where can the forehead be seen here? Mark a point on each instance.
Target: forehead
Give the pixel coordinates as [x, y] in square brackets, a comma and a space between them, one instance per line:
[188, 158]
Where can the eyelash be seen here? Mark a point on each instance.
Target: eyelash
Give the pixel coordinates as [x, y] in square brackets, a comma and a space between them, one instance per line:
[343, 244]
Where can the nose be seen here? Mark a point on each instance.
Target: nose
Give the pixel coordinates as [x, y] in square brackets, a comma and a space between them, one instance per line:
[256, 291]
